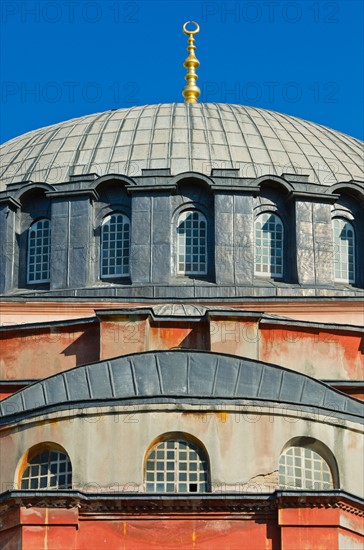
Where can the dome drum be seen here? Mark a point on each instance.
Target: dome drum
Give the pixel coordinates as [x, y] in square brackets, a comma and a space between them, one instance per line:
[231, 206]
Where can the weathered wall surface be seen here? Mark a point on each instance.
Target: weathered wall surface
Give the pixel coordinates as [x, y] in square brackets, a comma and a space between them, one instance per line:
[243, 444]
[122, 335]
[317, 528]
[41, 352]
[323, 354]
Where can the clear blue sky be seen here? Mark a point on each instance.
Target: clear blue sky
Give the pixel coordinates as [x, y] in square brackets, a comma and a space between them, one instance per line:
[66, 58]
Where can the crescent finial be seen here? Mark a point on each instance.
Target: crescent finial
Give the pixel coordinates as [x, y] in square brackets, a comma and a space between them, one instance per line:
[191, 91]
[195, 31]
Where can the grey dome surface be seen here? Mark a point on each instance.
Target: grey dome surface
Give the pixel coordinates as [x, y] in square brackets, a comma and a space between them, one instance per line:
[180, 376]
[195, 137]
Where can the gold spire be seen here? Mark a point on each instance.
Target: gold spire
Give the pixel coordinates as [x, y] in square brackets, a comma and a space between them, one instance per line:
[191, 92]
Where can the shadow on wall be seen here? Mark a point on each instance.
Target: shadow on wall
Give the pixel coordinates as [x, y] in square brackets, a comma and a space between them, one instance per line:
[181, 335]
[86, 348]
[361, 346]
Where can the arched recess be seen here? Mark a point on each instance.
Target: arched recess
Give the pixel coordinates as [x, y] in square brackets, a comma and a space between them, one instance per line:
[272, 200]
[176, 462]
[194, 200]
[113, 200]
[350, 188]
[116, 179]
[193, 178]
[275, 182]
[300, 470]
[31, 188]
[44, 466]
[35, 207]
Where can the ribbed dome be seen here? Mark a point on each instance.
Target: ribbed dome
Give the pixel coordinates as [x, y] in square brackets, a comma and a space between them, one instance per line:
[182, 137]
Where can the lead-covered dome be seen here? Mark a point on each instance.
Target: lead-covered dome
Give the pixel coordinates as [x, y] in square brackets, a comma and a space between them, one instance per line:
[194, 137]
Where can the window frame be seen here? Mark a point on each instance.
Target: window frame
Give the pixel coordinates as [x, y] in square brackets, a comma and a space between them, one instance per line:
[269, 273]
[106, 220]
[338, 253]
[300, 459]
[169, 465]
[44, 469]
[34, 227]
[179, 241]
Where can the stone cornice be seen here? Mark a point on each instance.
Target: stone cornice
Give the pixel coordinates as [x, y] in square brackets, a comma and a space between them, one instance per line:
[42, 326]
[70, 194]
[205, 313]
[201, 293]
[14, 309]
[206, 503]
[310, 196]
[10, 202]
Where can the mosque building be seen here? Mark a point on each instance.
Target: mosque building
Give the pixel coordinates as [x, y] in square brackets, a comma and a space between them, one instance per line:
[182, 348]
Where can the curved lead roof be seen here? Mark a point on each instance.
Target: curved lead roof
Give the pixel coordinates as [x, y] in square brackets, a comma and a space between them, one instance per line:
[182, 137]
[178, 377]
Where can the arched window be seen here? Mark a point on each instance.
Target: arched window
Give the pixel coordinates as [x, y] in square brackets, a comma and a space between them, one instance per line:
[49, 469]
[269, 238]
[344, 251]
[176, 466]
[115, 246]
[304, 468]
[39, 246]
[191, 243]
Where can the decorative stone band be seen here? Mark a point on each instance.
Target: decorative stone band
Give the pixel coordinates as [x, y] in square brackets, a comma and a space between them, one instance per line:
[261, 504]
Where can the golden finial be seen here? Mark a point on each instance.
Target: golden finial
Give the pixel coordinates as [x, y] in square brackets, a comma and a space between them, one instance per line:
[191, 92]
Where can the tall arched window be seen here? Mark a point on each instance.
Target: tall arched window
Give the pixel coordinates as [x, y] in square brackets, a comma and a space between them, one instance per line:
[176, 466]
[49, 469]
[39, 246]
[191, 243]
[304, 468]
[344, 251]
[269, 240]
[115, 246]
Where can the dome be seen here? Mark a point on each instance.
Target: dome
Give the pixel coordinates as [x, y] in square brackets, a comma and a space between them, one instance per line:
[182, 137]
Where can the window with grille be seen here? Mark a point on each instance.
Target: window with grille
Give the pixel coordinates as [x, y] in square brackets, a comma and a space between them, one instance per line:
[49, 469]
[176, 466]
[303, 468]
[39, 245]
[268, 245]
[344, 251]
[115, 246]
[192, 243]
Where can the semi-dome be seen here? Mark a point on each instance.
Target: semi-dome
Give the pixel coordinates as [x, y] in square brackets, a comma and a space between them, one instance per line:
[179, 376]
[183, 137]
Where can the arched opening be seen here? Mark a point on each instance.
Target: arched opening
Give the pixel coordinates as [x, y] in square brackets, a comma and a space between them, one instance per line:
[344, 251]
[34, 240]
[191, 243]
[45, 466]
[307, 464]
[269, 245]
[176, 463]
[38, 252]
[115, 246]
